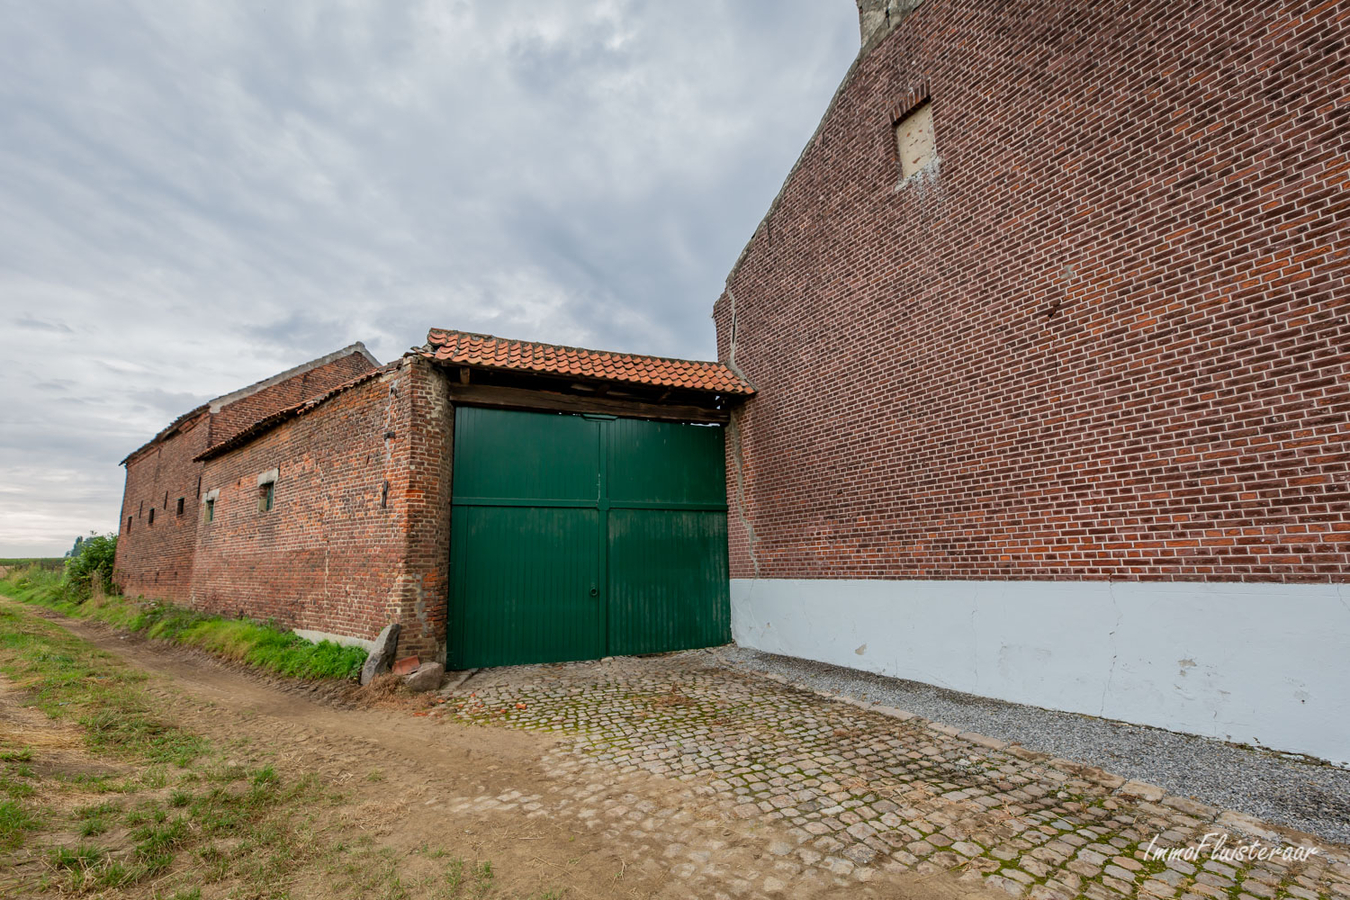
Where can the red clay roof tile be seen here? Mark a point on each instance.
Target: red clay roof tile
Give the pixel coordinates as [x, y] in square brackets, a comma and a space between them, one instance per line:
[484, 350]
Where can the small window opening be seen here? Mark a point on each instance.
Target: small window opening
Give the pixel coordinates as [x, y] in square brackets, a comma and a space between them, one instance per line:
[384, 496]
[152, 515]
[267, 496]
[129, 518]
[180, 506]
[210, 510]
[915, 144]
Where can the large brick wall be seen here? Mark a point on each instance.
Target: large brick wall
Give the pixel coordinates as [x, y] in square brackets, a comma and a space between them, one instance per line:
[359, 532]
[154, 558]
[1107, 335]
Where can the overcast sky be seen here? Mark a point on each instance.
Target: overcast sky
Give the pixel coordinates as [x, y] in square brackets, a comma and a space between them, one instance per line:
[197, 195]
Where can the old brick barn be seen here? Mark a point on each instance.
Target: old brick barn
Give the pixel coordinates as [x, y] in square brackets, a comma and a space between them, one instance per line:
[1034, 384]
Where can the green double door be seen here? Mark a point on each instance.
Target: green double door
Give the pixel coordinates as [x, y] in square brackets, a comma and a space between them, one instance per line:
[577, 537]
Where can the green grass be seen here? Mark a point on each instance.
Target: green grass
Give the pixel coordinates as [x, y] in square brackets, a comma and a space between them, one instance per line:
[16, 821]
[69, 679]
[180, 812]
[256, 643]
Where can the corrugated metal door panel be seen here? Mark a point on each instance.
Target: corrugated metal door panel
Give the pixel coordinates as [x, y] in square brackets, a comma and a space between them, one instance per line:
[527, 585]
[668, 580]
[665, 463]
[502, 454]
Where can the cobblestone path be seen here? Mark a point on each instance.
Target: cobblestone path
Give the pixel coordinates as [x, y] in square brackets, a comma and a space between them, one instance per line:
[859, 790]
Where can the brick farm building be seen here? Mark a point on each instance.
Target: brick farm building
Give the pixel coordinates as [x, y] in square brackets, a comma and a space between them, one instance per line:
[1034, 384]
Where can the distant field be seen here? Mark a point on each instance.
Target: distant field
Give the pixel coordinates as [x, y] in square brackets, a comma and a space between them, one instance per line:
[45, 562]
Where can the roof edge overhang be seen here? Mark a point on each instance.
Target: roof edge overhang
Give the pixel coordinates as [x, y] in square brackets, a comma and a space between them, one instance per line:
[736, 388]
[168, 431]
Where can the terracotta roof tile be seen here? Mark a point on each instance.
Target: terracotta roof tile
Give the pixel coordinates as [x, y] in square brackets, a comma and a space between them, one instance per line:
[486, 351]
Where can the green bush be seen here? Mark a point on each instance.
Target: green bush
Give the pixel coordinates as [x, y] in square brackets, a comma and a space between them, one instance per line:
[93, 565]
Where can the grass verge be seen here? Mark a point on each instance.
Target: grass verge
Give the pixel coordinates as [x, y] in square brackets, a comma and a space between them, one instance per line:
[137, 807]
[245, 640]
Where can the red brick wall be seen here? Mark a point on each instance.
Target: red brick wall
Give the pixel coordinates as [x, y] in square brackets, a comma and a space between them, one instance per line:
[329, 556]
[1107, 337]
[235, 417]
[155, 560]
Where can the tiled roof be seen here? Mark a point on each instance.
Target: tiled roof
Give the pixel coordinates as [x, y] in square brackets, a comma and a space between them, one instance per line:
[486, 351]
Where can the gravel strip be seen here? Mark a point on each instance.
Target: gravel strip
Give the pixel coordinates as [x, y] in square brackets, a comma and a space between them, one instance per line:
[1290, 791]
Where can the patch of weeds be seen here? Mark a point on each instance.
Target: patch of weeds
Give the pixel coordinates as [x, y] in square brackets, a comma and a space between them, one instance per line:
[88, 867]
[15, 823]
[266, 777]
[155, 844]
[16, 788]
[16, 756]
[83, 857]
[145, 812]
[179, 799]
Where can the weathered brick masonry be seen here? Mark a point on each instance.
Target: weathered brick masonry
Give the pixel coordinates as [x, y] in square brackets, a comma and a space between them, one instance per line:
[358, 535]
[1105, 335]
[155, 559]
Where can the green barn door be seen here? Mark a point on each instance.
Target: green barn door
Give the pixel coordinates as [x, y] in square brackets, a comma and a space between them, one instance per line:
[525, 539]
[578, 537]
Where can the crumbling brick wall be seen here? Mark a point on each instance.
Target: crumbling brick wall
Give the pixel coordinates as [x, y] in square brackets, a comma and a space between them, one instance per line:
[358, 535]
[154, 557]
[1104, 335]
[233, 418]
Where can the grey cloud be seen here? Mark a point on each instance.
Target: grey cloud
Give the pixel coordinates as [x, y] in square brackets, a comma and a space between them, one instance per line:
[40, 325]
[194, 196]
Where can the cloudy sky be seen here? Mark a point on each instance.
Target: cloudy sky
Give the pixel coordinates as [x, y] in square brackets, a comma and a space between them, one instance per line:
[196, 195]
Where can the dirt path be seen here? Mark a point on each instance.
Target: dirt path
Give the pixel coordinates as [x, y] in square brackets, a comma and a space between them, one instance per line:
[549, 824]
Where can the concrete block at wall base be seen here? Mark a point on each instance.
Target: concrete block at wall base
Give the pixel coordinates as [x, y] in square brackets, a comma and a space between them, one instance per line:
[1257, 663]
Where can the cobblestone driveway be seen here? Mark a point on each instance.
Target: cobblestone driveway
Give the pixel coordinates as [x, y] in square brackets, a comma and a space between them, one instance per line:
[859, 789]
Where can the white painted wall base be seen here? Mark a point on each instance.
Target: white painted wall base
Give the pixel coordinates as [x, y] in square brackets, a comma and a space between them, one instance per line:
[1264, 663]
[344, 640]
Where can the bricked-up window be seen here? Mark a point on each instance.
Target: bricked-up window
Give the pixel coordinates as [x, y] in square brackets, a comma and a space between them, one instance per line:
[180, 505]
[915, 144]
[211, 510]
[267, 490]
